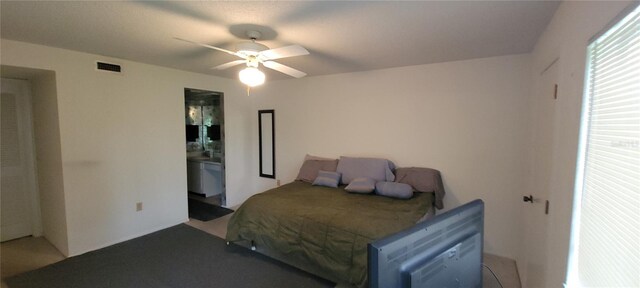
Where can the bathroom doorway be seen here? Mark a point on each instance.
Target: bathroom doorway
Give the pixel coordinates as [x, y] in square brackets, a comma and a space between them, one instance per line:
[204, 137]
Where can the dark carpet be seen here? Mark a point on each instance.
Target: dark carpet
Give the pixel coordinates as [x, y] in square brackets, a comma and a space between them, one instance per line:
[180, 256]
[205, 211]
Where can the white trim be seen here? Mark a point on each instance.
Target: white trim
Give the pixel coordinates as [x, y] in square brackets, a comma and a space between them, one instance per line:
[110, 243]
[32, 169]
[572, 261]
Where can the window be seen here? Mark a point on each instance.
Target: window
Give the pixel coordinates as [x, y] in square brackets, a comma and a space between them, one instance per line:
[605, 244]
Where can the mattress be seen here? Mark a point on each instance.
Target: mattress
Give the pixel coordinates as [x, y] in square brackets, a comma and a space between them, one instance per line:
[323, 230]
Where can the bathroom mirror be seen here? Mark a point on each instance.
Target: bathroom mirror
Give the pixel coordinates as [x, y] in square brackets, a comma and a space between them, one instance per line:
[267, 135]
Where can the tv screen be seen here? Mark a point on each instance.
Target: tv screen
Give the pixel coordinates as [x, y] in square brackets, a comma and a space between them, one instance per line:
[444, 251]
[213, 132]
[193, 133]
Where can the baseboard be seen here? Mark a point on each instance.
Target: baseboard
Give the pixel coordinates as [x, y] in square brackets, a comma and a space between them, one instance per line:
[518, 273]
[145, 232]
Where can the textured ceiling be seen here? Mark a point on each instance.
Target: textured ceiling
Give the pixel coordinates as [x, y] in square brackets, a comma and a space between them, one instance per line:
[341, 36]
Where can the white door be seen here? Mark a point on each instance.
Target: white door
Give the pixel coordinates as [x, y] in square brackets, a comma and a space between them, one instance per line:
[18, 186]
[540, 179]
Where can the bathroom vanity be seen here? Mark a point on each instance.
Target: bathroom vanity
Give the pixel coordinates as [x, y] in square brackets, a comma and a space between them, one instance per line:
[204, 176]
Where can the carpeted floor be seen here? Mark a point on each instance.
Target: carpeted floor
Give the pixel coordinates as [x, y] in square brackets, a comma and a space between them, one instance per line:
[205, 211]
[180, 256]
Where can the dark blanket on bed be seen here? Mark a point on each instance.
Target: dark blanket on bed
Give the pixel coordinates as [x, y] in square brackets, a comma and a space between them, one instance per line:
[325, 228]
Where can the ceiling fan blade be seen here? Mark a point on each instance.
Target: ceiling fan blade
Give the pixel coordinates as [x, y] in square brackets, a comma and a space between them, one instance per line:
[229, 64]
[208, 46]
[284, 69]
[283, 52]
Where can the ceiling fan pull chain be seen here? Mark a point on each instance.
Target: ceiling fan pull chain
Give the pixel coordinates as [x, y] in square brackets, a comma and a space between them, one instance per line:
[248, 90]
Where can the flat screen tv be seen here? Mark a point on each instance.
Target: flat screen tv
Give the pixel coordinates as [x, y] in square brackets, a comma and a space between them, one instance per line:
[193, 133]
[444, 251]
[213, 132]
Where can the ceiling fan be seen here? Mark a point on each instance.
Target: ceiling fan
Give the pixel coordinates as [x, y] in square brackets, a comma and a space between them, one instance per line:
[253, 54]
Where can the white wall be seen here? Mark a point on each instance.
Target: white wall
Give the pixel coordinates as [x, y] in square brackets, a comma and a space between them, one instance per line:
[49, 159]
[122, 142]
[566, 38]
[467, 119]
[121, 136]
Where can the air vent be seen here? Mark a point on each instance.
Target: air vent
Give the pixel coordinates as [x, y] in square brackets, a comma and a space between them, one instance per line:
[109, 67]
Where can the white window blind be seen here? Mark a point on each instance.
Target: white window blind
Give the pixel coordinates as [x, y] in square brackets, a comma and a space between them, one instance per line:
[606, 242]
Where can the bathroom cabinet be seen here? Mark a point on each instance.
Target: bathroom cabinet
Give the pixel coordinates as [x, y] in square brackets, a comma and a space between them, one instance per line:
[204, 177]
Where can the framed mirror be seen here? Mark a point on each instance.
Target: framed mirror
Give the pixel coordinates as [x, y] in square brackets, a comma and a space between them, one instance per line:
[267, 138]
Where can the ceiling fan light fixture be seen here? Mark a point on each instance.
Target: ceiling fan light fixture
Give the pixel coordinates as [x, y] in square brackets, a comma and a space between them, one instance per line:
[250, 48]
[253, 54]
[251, 76]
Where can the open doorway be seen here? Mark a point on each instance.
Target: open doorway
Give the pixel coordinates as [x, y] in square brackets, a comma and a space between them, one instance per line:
[33, 228]
[204, 137]
[32, 184]
[20, 200]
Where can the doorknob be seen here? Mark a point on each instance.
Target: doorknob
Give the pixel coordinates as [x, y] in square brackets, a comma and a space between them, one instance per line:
[528, 199]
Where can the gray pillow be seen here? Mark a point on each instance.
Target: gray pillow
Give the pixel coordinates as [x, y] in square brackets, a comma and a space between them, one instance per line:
[361, 185]
[312, 157]
[309, 170]
[375, 168]
[394, 189]
[327, 178]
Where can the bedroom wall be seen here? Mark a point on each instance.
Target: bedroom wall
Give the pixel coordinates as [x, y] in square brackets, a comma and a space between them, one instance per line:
[467, 119]
[49, 159]
[122, 142]
[566, 38]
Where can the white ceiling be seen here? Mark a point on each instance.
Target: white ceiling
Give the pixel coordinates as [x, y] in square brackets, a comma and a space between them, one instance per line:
[341, 36]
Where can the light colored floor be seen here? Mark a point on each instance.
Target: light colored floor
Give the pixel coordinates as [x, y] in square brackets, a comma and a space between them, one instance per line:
[505, 270]
[217, 227]
[215, 200]
[30, 253]
[26, 254]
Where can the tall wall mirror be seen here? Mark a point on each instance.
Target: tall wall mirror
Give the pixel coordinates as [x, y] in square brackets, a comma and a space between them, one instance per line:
[267, 138]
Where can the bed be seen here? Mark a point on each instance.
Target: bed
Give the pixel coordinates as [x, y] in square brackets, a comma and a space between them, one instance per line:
[323, 230]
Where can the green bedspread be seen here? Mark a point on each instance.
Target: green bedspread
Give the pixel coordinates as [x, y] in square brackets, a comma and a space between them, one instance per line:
[325, 230]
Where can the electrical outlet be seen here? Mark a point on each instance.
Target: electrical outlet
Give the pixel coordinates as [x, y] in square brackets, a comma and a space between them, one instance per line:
[139, 206]
[278, 182]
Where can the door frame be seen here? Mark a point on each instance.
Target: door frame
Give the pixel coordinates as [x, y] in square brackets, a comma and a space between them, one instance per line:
[223, 147]
[25, 112]
[537, 237]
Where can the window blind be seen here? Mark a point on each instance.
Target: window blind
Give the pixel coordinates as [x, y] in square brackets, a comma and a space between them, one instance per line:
[608, 237]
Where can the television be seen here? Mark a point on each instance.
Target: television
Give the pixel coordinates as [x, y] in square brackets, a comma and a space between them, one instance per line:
[193, 133]
[213, 132]
[444, 251]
